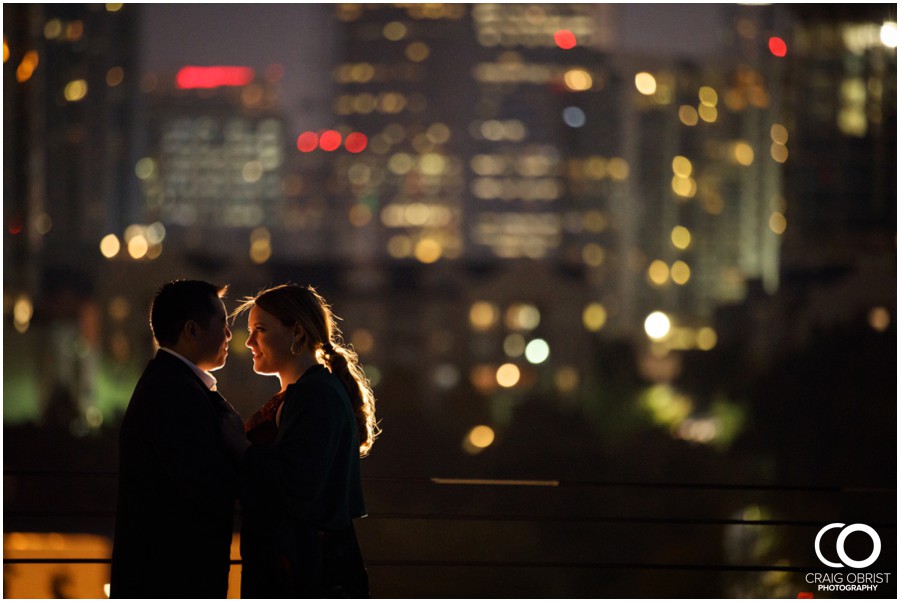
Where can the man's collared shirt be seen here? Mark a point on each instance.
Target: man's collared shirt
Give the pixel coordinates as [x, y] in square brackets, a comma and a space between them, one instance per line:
[208, 379]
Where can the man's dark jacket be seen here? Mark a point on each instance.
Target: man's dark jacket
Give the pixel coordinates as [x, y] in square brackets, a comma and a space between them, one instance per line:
[177, 489]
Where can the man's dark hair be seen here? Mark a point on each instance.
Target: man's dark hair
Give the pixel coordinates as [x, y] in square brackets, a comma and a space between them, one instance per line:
[180, 301]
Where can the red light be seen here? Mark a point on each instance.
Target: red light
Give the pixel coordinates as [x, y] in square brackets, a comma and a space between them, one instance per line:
[565, 39]
[213, 77]
[307, 142]
[330, 140]
[356, 142]
[15, 226]
[805, 596]
[777, 46]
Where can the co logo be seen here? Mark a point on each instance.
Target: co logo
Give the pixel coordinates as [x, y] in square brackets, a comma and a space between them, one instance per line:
[842, 538]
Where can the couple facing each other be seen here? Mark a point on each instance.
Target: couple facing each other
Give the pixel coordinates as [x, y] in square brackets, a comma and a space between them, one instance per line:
[185, 454]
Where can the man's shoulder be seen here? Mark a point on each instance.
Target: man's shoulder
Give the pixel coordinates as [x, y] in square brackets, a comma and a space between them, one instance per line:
[167, 373]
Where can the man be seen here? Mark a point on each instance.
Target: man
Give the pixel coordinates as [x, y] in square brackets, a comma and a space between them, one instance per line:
[177, 479]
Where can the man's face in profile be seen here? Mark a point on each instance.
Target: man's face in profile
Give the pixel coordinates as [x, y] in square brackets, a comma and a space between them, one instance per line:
[213, 340]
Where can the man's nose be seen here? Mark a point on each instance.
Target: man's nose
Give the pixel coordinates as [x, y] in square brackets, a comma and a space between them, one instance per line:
[227, 334]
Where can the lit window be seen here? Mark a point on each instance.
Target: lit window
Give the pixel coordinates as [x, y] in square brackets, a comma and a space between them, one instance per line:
[777, 222]
[537, 351]
[523, 316]
[657, 325]
[779, 133]
[681, 237]
[394, 31]
[645, 83]
[115, 76]
[594, 317]
[688, 115]
[52, 29]
[779, 152]
[658, 272]
[743, 153]
[707, 113]
[708, 97]
[481, 436]
[110, 246]
[508, 375]
[578, 80]
[682, 166]
[417, 52]
[27, 66]
[483, 315]
[888, 34]
[879, 319]
[574, 117]
[680, 272]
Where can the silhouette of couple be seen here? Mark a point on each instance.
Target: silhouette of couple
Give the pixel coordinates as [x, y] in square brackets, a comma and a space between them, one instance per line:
[185, 455]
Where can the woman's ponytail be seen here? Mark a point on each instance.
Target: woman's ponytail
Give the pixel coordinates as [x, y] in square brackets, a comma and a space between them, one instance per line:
[344, 364]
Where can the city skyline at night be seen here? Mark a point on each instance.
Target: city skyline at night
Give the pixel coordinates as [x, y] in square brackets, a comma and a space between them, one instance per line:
[614, 271]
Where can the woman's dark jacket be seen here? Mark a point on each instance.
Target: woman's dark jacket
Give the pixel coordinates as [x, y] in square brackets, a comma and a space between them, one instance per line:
[301, 490]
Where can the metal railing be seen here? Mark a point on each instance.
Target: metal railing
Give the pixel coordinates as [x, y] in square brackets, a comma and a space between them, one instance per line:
[746, 492]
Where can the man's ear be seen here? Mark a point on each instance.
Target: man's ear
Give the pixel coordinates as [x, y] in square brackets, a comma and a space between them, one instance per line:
[190, 330]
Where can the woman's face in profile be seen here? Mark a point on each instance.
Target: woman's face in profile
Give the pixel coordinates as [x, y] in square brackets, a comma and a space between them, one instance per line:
[269, 340]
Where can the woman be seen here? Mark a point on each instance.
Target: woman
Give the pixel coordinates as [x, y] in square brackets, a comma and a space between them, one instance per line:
[302, 479]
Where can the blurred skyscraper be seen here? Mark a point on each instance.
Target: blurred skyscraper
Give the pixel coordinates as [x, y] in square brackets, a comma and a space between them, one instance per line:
[843, 101]
[843, 105]
[517, 132]
[69, 79]
[69, 83]
[215, 164]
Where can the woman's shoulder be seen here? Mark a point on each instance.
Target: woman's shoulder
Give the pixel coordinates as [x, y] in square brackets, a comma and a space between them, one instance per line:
[318, 383]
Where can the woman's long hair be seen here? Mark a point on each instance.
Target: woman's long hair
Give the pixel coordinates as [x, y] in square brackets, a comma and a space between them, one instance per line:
[296, 305]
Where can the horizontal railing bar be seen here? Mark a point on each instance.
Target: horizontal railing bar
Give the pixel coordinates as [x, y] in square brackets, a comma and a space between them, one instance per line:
[233, 561]
[588, 565]
[495, 482]
[60, 514]
[61, 473]
[611, 519]
[523, 518]
[555, 483]
[56, 561]
[495, 564]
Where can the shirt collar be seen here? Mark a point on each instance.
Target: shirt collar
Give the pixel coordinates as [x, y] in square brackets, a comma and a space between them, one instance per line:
[208, 379]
